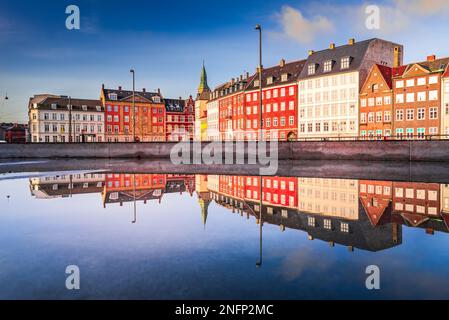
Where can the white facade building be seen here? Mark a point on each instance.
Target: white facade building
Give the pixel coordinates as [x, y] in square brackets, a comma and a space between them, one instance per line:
[52, 119]
[213, 130]
[330, 82]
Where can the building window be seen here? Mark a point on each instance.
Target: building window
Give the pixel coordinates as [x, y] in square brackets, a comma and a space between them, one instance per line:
[421, 113]
[433, 113]
[345, 62]
[399, 84]
[311, 221]
[328, 224]
[328, 66]
[344, 227]
[112, 96]
[399, 115]
[311, 69]
[410, 114]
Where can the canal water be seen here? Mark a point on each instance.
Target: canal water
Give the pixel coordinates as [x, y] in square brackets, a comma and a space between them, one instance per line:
[171, 236]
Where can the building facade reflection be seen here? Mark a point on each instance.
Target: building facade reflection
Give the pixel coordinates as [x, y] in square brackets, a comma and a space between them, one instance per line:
[364, 214]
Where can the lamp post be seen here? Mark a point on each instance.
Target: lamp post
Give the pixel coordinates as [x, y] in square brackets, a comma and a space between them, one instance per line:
[258, 27]
[134, 104]
[70, 120]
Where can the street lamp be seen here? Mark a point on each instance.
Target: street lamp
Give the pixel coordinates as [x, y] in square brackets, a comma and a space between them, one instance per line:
[6, 96]
[258, 27]
[70, 120]
[134, 104]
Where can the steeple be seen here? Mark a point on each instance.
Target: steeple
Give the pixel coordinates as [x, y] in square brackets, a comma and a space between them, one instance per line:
[203, 87]
[204, 204]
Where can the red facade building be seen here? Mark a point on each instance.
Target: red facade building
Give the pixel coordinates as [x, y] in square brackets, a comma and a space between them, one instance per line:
[123, 124]
[279, 101]
[13, 132]
[180, 119]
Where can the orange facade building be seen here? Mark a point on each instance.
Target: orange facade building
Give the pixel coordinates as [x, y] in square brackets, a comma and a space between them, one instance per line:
[376, 103]
[417, 99]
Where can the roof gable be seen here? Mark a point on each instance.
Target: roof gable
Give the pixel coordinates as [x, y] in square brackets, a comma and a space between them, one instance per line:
[385, 74]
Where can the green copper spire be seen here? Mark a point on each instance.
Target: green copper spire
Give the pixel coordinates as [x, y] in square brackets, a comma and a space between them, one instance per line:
[203, 84]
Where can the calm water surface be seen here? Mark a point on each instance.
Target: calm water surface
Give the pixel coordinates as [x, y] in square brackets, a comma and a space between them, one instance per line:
[158, 236]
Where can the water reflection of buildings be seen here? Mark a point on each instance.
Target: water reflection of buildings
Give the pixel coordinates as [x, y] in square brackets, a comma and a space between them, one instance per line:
[327, 209]
[66, 185]
[422, 205]
[120, 188]
[358, 214]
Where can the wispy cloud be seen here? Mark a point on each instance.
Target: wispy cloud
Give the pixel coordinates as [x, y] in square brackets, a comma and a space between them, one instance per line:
[300, 28]
[395, 17]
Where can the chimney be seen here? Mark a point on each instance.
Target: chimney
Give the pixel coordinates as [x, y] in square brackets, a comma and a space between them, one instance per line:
[282, 63]
[144, 90]
[158, 90]
[102, 86]
[351, 41]
[311, 52]
[397, 57]
[119, 88]
[180, 98]
[431, 57]
[241, 77]
[332, 46]
[247, 75]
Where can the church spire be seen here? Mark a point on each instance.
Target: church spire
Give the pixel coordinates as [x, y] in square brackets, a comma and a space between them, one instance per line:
[203, 87]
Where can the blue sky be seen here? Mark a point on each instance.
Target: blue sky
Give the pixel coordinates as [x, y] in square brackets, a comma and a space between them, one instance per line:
[166, 41]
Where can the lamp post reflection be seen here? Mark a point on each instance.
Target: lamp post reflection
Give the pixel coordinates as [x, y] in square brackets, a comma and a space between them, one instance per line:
[134, 204]
[259, 263]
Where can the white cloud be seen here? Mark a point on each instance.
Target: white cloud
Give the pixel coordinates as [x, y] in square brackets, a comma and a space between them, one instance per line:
[422, 7]
[301, 29]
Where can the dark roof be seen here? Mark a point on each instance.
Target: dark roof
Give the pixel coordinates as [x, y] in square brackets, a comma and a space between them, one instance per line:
[174, 105]
[437, 65]
[355, 51]
[232, 87]
[63, 102]
[126, 94]
[292, 69]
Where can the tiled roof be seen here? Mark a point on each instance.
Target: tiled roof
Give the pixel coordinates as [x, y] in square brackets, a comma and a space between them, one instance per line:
[291, 69]
[77, 104]
[174, 105]
[437, 65]
[124, 94]
[356, 52]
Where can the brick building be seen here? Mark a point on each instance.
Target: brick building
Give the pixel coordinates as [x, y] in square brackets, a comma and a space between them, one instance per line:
[180, 119]
[13, 132]
[149, 115]
[418, 99]
[376, 103]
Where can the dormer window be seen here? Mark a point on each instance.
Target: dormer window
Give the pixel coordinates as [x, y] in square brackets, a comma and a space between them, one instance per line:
[112, 96]
[98, 108]
[311, 69]
[156, 99]
[284, 77]
[345, 62]
[256, 83]
[328, 66]
[84, 107]
[34, 105]
[54, 106]
[270, 80]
